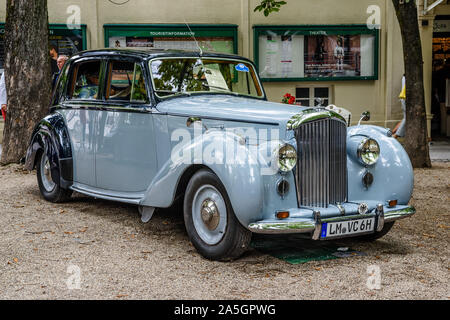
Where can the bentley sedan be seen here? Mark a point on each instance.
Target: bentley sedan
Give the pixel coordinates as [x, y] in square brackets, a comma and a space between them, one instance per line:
[153, 127]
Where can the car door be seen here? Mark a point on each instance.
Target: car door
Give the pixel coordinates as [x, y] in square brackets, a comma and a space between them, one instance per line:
[83, 98]
[125, 156]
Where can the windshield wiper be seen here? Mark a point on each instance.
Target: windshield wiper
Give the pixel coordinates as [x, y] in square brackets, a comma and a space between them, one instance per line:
[174, 93]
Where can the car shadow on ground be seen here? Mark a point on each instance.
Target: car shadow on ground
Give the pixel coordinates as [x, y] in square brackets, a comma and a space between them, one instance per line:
[167, 222]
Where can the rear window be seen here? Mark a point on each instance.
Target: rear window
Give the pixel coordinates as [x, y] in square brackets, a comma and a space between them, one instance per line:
[87, 77]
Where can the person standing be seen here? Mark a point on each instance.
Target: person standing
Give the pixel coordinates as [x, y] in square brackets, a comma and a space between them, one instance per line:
[53, 59]
[3, 96]
[61, 61]
[399, 130]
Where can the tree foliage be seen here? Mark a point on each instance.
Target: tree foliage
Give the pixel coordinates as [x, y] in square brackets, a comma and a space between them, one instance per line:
[269, 6]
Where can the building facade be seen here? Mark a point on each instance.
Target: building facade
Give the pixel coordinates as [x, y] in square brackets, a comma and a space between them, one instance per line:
[347, 52]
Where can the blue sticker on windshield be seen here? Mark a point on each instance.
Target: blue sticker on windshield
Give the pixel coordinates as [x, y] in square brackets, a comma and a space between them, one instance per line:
[242, 67]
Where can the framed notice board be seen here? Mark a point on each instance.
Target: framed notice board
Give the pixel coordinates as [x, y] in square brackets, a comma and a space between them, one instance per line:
[216, 38]
[67, 39]
[316, 52]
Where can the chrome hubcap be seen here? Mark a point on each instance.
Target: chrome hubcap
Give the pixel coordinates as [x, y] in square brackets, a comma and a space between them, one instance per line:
[46, 176]
[209, 214]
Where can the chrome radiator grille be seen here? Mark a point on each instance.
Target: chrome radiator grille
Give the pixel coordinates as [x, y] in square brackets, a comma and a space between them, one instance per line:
[321, 170]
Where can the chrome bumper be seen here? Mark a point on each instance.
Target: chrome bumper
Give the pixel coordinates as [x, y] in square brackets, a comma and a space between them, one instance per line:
[313, 225]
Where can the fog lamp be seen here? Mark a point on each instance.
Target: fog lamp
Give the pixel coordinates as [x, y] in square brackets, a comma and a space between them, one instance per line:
[282, 187]
[367, 179]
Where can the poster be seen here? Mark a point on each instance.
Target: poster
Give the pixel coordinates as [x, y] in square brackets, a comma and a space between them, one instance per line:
[281, 56]
[286, 55]
[66, 44]
[332, 56]
[307, 54]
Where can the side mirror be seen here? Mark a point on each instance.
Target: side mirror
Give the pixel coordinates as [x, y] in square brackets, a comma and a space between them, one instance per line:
[365, 116]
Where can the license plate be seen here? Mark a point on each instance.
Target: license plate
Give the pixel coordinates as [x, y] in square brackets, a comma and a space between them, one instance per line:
[347, 228]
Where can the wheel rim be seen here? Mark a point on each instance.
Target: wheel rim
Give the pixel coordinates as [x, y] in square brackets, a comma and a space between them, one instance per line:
[46, 177]
[209, 214]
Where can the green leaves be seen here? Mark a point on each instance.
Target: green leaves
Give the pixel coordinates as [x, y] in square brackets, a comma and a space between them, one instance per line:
[269, 6]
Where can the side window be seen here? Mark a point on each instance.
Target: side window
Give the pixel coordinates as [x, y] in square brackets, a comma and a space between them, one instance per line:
[126, 82]
[59, 91]
[86, 84]
[138, 92]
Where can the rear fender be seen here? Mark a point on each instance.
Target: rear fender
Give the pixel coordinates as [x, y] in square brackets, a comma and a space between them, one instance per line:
[52, 137]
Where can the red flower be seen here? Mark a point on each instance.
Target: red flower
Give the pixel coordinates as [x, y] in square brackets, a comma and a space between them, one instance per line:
[288, 99]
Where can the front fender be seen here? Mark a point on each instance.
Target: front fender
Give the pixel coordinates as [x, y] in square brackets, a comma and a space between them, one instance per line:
[240, 175]
[393, 173]
[51, 136]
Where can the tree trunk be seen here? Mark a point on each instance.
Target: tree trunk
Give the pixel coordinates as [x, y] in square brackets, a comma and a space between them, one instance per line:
[27, 74]
[416, 142]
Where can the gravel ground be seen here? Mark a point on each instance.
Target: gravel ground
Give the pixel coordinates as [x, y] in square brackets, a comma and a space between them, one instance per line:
[43, 246]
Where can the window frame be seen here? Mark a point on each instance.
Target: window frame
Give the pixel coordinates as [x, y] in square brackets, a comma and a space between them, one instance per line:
[108, 76]
[254, 76]
[312, 97]
[73, 73]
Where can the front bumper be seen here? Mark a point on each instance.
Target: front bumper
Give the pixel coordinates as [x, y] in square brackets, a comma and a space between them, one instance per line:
[313, 225]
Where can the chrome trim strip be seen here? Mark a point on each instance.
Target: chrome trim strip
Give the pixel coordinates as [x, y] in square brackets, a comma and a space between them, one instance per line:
[398, 214]
[282, 227]
[310, 225]
[95, 194]
[219, 118]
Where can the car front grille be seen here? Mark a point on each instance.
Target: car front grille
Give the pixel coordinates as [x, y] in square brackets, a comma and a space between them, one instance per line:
[321, 170]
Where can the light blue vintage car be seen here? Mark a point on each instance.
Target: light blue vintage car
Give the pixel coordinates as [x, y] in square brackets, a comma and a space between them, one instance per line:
[148, 128]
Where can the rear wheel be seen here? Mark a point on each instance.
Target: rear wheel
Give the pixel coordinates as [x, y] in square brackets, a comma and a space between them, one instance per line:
[210, 221]
[50, 190]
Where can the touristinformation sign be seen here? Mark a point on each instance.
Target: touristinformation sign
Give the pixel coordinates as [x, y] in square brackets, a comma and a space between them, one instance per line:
[215, 38]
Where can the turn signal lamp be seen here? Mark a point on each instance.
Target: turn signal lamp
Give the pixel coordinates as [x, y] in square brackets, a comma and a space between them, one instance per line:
[282, 214]
[392, 203]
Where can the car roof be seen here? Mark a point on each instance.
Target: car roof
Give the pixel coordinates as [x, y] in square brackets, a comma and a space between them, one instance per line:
[147, 54]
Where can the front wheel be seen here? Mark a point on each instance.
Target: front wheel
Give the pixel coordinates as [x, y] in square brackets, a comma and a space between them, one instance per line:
[210, 221]
[50, 190]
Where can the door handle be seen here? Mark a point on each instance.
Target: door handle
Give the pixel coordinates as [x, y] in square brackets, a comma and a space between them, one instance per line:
[191, 120]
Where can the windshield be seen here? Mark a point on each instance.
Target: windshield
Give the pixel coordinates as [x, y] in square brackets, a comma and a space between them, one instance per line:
[172, 76]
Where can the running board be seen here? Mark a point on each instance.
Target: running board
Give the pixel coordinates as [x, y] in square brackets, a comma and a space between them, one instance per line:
[101, 195]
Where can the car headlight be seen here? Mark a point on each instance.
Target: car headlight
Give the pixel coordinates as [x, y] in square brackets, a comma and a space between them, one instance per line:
[287, 157]
[368, 151]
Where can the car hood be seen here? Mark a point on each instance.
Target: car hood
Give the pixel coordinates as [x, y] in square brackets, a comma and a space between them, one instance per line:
[230, 108]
